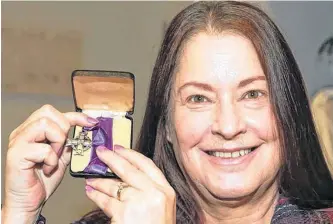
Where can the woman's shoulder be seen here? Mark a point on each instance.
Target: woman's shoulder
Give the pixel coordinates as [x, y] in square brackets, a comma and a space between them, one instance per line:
[286, 212]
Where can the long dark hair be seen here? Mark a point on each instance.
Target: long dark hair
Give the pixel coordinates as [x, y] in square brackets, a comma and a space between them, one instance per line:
[304, 178]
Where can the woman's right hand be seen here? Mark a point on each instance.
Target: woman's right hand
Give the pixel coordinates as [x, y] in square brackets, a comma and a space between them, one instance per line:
[36, 161]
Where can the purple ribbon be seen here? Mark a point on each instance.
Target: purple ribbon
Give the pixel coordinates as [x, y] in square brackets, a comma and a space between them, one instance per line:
[101, 136]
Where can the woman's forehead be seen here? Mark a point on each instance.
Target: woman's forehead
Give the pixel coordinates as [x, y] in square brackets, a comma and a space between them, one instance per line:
[228, 57]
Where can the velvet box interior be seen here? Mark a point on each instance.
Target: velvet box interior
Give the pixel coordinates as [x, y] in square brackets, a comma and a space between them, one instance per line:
[109, 97]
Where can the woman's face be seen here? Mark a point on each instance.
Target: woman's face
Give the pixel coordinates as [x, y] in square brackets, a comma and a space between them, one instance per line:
[223, 119]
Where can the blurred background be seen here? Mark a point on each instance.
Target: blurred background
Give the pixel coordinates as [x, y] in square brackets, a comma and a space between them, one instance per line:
[43, 42]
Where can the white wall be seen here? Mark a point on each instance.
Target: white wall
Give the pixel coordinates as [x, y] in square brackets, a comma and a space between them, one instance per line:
[306, 25]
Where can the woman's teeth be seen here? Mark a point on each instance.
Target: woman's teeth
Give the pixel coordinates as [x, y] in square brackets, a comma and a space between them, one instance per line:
[235, 154]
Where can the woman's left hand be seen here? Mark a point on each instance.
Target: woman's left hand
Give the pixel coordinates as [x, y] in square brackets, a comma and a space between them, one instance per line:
[147, 197]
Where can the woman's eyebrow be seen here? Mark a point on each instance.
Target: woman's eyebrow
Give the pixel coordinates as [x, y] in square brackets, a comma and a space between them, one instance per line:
[200, 85]
[250, 80]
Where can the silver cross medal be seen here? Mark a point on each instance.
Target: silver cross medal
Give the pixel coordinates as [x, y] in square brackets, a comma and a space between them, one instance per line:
[80, 144]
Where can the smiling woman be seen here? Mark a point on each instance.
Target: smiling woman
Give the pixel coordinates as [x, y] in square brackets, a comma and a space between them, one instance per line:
[235, 118]
[227, 137]
[229, 122]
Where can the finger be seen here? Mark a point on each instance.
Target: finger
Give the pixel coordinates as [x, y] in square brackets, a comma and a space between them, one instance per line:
[143, 163]
[45, 111]
[48, 157]
[65, 121]
[65, 157]
[43, 130]
[80, 119]
[124, 169]
[109, 205]
[110, 187]
[34, 153]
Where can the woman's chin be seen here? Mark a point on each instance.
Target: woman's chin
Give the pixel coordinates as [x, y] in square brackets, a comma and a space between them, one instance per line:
[231, 188]
[231, 194]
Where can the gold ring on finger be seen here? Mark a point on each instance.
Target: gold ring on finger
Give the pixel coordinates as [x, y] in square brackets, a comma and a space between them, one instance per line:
[121, 187]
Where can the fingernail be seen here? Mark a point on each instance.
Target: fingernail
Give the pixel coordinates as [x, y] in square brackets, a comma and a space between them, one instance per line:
[116, 147]
[89, 189]
[101, 148]
[92, 120]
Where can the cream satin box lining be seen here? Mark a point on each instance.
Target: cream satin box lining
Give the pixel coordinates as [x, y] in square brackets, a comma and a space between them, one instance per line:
[104, 113]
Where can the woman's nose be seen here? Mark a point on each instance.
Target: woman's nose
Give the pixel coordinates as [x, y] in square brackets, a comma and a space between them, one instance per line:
[228, 121]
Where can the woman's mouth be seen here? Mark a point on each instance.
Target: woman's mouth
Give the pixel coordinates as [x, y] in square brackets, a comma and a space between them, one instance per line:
[234, 154]
[223, 157]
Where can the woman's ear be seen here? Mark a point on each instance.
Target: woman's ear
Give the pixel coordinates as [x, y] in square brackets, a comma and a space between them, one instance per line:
[169, 127]
[168, 136]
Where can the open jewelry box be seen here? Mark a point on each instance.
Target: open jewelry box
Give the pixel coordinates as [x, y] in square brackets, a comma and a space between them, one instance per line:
[108, 96]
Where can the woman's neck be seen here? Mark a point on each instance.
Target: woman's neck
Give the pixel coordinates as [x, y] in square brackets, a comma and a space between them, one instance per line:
[257, 208]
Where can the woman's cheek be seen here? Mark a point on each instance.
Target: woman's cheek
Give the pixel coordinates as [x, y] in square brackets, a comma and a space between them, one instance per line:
[191, 126]
[262, 122]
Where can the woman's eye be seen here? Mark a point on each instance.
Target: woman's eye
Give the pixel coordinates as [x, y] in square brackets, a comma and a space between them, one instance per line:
[253, 94]
[197, 99]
